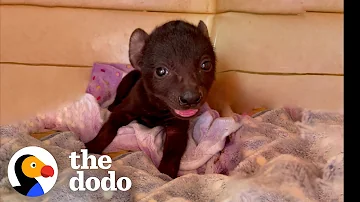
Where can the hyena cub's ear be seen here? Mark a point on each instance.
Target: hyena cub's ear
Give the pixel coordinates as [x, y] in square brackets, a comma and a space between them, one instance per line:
[136, 44]
[202, 27]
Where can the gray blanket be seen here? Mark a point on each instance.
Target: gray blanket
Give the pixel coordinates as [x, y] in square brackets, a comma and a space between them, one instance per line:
[280, 155]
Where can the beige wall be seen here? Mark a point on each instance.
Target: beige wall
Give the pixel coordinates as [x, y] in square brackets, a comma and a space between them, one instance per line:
[270, 54]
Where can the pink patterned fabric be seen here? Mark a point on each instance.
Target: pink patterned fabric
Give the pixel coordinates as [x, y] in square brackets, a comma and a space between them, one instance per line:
[104, 81]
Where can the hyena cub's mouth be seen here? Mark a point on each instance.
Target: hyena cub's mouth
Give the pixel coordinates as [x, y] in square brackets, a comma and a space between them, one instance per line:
[186, 113]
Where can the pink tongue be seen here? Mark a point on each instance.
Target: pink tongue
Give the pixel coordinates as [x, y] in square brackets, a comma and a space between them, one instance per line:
[186, 113]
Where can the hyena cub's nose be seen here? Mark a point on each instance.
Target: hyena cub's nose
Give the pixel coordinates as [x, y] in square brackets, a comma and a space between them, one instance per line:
[190, 98]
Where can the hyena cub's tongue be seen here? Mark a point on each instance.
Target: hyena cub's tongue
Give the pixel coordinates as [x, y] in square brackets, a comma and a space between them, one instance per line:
[186, 113]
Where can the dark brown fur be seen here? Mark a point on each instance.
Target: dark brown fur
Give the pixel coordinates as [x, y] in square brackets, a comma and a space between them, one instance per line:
[183, 50]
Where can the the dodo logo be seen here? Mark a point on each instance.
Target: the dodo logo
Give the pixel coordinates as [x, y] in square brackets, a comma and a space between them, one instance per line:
[32, 171]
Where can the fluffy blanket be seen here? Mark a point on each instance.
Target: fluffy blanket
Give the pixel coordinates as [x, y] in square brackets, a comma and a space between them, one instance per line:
[285, 154]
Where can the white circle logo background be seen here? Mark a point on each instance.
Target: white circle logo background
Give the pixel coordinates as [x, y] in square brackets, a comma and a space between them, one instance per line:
[42, 155]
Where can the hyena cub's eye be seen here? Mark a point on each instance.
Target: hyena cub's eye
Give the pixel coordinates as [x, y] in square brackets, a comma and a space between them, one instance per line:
[161, 71]
[206, 65]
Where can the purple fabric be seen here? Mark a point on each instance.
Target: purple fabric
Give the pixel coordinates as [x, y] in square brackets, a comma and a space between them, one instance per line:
[104, 80]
